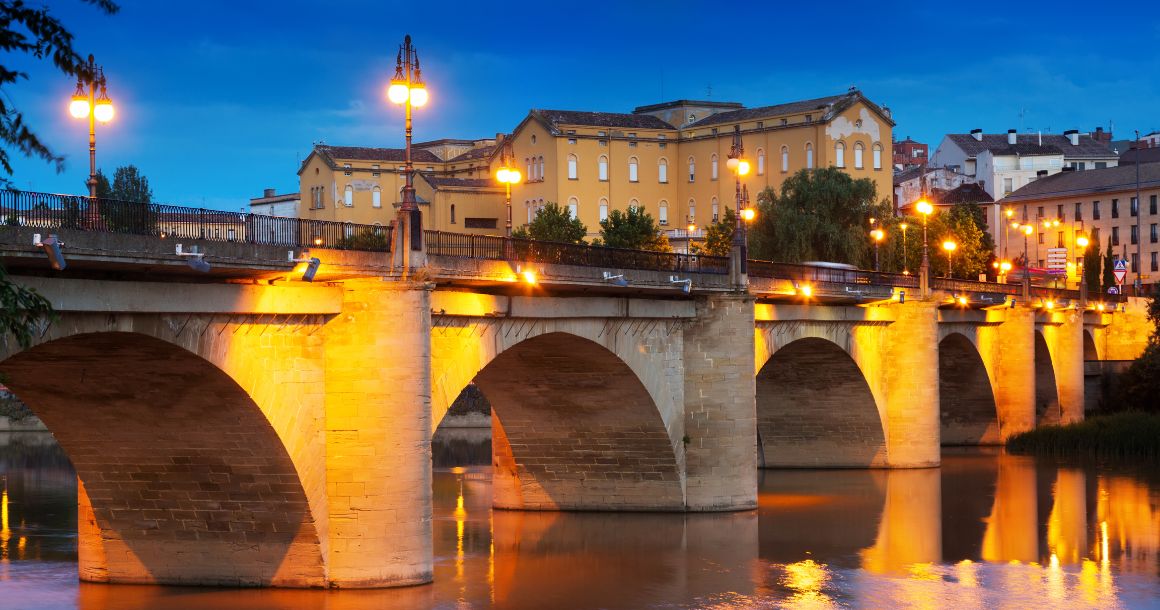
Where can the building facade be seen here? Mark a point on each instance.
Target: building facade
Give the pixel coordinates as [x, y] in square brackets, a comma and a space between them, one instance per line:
[670, 159]
[1100, 204]
[911, 184]
[909, 153]
[271, 204]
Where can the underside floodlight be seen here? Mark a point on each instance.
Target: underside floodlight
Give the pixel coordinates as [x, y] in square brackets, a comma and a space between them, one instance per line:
[51, 246]
[195, 259]
[686, 284]
[617, 280]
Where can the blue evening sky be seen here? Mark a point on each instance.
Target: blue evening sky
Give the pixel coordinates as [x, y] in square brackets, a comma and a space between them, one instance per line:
[217, 100]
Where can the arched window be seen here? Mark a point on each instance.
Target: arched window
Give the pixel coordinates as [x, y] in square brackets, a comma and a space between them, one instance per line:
[784, 159]
[877, 156]
[572, 163]
[715, 209]
[713, 167]
[531, 176]
[692, 211]
[530, 207]
[663, 215]
[760, 161]
[453, 213]
[663, 171]
[602, 168]
[858, 148]
[809, 155]
[603, 209]
[348, 196]
[573, 207]
[840, 154]
[692, 170]
[632, 170]
[540, 172]
[377, 197]
[634, 203]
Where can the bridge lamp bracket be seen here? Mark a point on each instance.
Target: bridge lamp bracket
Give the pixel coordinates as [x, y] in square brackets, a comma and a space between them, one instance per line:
[52, 249]
[312, 264]
[616, 279]
[686, 284]
[195, 259]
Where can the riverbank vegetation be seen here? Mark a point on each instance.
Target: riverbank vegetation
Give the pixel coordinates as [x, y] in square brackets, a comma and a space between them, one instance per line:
[1131, 435]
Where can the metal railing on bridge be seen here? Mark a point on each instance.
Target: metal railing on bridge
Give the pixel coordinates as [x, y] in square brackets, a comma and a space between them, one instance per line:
[971, 286]
[52, 212]
[488, 247]
[838, 276]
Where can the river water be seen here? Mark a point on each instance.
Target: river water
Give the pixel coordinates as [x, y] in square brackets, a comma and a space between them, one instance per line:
[986, 530]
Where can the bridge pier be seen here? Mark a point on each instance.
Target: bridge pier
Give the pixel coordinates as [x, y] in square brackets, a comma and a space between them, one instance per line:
[910, 380]
[1013, 356]
[1063, 334]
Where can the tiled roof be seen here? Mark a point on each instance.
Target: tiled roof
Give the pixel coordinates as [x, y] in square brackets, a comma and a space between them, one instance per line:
[1026, 149]
[1143, 155]
[964, 193]
[913, 172]
[1065, 184]
[363, 153]
[995, 142]
[475, 153]
[601, 119]
[461, 182]
[747, 114]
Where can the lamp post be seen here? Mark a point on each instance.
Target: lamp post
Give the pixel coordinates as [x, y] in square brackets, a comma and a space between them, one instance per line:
[925, 208]
[1027, 231]
[508, 175]
[91, 101]
[407, 90]
[1007, 232]
[740, 167]
[877, 234]
[950, 246]
[905, 268]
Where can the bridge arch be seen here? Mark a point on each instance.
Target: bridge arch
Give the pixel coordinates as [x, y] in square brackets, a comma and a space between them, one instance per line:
[183, 476]
[968, 413]
[1090, 348]
[1047, 405]
[815, 409]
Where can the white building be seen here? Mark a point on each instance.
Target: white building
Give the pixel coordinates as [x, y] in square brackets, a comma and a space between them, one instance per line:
[910, 184]
[270, 204]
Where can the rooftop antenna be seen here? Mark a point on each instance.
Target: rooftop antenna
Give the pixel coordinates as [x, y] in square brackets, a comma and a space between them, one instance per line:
[1022, 117]
[709, 90]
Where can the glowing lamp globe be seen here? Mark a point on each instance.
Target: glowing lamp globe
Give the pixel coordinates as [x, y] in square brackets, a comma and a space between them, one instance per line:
[397, 92]
[79, 107]
[502, 173]
[732, 164]
[748, 214]
[104, 111]
[923, 206]
[418, 95]
[743, 168]
[949, 246]
[514, 176]
[1081, 241]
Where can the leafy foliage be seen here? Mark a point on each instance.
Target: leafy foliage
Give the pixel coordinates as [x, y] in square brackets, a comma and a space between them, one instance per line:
[1091, 269]
[124, 205]
[719, 235]
[21, 311]
[32, 30]
[1109, 276]
[368, 239]
[1123, 435]
[553, 223]
[634, 229]
[1140, 384]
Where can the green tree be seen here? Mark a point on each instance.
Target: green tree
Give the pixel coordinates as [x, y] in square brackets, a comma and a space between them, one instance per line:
[22, 310]
[553, 223]
[634, 229]
[1091, 269]
[719, 235]
[126, 206]
[32, 30]
[1140, 384]
[820, 215]
[368, 239]
[1109, 267]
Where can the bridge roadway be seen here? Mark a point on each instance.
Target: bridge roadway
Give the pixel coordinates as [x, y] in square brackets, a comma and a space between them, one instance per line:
[243, 427]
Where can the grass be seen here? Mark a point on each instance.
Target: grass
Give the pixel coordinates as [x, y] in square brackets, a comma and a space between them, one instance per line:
[1132, 435]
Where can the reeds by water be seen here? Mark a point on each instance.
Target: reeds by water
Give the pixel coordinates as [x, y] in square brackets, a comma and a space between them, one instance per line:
[1132, 435]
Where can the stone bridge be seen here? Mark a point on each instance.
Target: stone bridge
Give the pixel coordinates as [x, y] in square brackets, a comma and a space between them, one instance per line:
[243, 427]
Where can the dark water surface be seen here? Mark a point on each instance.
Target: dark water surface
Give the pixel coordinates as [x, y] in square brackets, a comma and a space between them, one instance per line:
[984, 531]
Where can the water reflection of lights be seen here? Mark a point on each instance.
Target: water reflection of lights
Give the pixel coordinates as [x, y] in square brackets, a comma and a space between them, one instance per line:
[5, 532]
[807, 579]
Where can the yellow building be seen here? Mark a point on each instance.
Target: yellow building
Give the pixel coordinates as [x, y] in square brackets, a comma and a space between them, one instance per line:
[362, 185]
[671, 158]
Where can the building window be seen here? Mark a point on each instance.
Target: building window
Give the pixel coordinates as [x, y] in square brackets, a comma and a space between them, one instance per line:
[1007, 186]
[572, 163]
[714, 209]
[346, 166]
[713, 167]
[1135, 207]
[809, 118]
[1115, 208]
[1135, 263]
[1115, 236]
[571, 140]
[573, 207]
[877, 156]
[540, 171]
[692, 212]
[840, 154]
[1059, 213]
[1095, 236]
[632, 169]
[809, 155]
[1095, 210]
[376, 197]
[603, 210]
[858, 149]
[784, 159]
[1078, 211]
[663, 215]
[1135, 237]
[692, 170]
[663, 171]
[1154, 235]
[760, 162]
[453, 213]
[530, 174]
[1152, 205]
[1154, 267]
[1101, 164]
[348, 196]
[1039, 212]
[602, 168]
[1041, 241]
[1059, 239]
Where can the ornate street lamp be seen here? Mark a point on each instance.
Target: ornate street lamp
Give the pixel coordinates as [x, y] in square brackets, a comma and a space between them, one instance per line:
[905, 269]
[950, 246]
[926, 209]
[740, 167]
[407, 89]
[877, 234]
[508, 175]
[91, 100]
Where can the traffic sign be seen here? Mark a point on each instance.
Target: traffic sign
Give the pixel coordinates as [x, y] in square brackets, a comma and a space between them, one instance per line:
[1122, 264]
[1120, 275]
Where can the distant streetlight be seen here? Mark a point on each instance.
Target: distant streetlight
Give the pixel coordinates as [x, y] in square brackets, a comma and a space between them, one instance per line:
[926, 209]
[905, 268]
[1081, 244]
[91, 100]
[508, 175]
[949, 246]
[877, 235]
